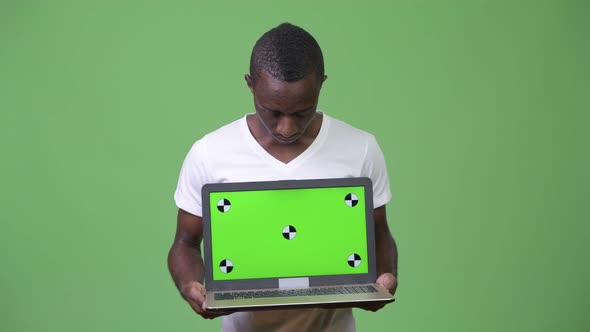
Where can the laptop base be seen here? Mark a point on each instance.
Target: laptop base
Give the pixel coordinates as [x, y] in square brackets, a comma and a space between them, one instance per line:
[352, 298]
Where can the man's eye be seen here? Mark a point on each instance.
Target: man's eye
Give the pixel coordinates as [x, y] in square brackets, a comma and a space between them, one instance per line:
[303, 114]
[272, 113]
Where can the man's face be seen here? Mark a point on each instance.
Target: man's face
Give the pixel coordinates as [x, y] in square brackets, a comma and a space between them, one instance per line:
[285, 109]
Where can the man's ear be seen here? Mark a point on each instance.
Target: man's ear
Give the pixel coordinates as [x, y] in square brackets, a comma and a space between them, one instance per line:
[324, 78]
[248, 79]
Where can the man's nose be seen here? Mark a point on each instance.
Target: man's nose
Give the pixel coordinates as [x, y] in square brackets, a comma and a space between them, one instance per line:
[287, 126]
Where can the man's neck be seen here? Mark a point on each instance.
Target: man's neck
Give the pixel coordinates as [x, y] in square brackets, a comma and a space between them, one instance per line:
[283, 152]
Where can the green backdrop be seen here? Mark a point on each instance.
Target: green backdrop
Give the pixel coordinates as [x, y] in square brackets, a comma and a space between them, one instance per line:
[480, 107]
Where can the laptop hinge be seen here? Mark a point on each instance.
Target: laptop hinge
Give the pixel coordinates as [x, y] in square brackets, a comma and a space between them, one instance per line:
[294, 283]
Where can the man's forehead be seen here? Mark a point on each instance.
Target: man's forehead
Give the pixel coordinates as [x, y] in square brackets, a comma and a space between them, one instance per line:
[268, 83]
[298, 99]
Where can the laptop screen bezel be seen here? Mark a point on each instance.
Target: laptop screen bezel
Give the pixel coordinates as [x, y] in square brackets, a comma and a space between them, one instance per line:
[324, 280]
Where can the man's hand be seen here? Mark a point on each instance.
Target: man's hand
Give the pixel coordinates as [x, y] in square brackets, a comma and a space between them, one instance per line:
[186, 265]
[389, 282]
[194, 294]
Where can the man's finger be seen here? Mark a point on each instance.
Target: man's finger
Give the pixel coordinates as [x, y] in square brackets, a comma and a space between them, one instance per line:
[196, 299]
[371, 307]
[388, 281]
[197, 307]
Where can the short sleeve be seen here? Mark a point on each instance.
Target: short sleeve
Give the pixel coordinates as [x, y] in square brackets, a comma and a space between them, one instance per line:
[375, 168]
[193, 176]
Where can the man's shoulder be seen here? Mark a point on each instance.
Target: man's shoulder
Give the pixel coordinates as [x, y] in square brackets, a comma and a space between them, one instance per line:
[229, 129]
[218, 138]
[227, 132]
[344, 129]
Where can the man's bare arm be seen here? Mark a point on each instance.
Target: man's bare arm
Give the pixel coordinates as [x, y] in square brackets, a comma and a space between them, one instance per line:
[385, 244]
[186, 263]
[184, 259]
[386, 256]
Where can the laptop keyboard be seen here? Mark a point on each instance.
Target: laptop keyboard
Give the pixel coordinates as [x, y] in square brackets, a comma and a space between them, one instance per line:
[295, 292]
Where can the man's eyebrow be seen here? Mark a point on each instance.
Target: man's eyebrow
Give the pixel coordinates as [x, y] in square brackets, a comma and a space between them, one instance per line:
[264, 107]
[311, 108]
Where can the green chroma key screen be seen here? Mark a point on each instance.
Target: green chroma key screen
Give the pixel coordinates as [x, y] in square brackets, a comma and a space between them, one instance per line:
[288, 233]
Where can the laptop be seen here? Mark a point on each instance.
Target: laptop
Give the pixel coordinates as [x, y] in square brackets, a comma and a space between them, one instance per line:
[291, 243]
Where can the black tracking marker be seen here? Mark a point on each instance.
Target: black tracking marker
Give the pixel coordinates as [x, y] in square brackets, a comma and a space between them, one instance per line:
[351, 200]
[354, 260]
[289, 232]
[226, 266]
[223, 205]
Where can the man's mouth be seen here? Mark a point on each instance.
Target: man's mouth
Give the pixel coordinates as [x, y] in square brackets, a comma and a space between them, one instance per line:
[287, 140]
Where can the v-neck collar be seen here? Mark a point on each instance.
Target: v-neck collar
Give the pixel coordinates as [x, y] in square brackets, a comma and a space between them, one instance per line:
[311, 149]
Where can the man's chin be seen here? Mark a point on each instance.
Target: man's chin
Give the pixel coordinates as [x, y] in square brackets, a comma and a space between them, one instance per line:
[286, 141]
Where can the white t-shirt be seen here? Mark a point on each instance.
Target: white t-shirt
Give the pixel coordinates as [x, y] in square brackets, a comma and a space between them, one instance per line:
[232, 154]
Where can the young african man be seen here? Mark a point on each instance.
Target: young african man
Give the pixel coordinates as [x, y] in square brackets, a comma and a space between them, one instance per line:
[286, 138]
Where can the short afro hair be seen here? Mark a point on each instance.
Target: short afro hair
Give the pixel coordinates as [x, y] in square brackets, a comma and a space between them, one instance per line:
[288, 53]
